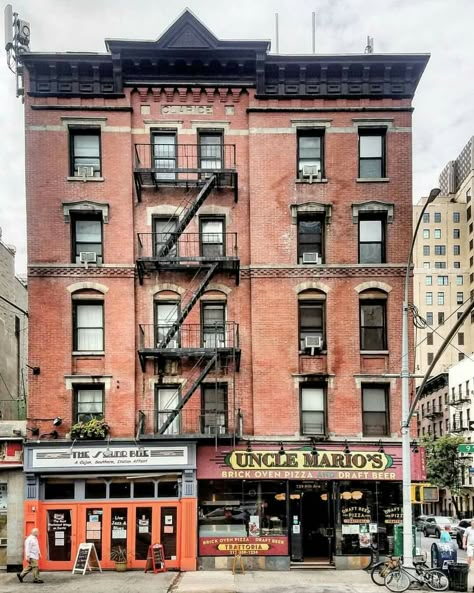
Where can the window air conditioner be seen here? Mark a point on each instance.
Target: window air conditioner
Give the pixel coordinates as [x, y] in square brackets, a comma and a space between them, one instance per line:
[313, 342]
[88, 257]
[311, 258]
[213, 430]
[311, 172]
[85, 171]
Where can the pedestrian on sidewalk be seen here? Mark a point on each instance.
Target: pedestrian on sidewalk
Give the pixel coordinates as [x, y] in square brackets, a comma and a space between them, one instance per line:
[445, 535]
[468, 543]
[32, 555]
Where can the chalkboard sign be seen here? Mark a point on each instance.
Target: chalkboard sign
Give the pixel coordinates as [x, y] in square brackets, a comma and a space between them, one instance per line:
[155, 559]
[86, 559]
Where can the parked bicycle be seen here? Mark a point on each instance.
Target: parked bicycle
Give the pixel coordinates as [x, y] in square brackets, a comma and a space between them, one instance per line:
[401, 578]
[381, 569]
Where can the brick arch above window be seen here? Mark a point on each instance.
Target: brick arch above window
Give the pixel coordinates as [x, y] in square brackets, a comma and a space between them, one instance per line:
[214, 295]
[299, 288]
[167, 286]
[218, 287]
[310, 208]
[167, 295]
[163, 211]
[79, 286]
[373, 284]
[372, 207]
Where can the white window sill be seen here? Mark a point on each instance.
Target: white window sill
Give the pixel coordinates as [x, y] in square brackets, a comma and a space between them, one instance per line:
[375, 352]
[372, 179]
[86, 353]
[85, 179]
[308, 182]
[318, 353]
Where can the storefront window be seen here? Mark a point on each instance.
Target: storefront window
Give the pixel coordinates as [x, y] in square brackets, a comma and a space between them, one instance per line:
[58, 490]
[143, 489]
[118, 531]
[95, 489]
[59, 535]
[167, 489]
[94, 529]
[119, 489]
[242, 509]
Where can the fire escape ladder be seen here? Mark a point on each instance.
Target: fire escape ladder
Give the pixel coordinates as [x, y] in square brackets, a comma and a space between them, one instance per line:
[196, 295]
[188, 216]
[199, 379]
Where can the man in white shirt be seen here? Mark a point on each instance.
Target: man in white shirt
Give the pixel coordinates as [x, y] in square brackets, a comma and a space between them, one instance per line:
[32, 555]
[468, 542]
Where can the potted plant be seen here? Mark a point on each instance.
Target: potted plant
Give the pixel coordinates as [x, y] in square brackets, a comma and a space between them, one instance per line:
[119, 555]
[95, 428]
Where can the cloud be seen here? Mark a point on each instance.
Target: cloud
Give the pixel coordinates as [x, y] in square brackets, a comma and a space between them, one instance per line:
[443, 119]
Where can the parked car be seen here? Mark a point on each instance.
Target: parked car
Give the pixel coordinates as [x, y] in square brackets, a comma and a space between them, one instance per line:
[434, 525]
[420, 522]
[460, 529]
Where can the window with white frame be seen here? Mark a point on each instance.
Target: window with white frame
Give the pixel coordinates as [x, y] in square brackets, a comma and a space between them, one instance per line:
[88, 326]
[313, 410]
[89, 402]
[375, 411]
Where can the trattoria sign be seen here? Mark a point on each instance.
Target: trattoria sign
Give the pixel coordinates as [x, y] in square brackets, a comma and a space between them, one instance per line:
[249, 546]
[329, 462]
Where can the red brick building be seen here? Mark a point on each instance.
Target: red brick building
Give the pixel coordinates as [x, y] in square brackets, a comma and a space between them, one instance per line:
[216, 241]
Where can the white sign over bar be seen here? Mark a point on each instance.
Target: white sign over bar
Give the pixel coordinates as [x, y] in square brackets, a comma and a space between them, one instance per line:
[126, 457]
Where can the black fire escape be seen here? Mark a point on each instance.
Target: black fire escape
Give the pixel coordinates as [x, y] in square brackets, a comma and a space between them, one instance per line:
[205, 349]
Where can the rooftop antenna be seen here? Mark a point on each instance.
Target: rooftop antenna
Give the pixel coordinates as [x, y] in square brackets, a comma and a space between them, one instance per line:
[314, 31]
[369, 49]
[17, 42]
[277, 36]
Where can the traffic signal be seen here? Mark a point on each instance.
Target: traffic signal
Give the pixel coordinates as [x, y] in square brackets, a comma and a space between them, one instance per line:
[424, 493]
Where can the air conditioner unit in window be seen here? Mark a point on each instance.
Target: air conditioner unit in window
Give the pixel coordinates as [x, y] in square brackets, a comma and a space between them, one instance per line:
[85, 171]
[311, 172]
[313, 342]
[311, 258]
[213, 430]
[88, 257]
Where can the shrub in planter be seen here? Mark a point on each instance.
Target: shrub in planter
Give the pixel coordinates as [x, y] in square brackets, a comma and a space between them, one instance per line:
[119, 555]
[96, 428]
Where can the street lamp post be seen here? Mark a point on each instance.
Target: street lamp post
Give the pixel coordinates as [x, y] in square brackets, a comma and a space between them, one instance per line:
[405, 423]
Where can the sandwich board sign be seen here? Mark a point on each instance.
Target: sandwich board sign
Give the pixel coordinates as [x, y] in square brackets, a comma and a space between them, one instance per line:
[86, 559]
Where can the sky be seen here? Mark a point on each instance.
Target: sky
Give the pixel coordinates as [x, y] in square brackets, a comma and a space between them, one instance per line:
[443, 120]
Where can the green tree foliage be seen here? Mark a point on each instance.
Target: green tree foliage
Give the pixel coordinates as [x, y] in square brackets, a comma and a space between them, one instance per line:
[444, 465]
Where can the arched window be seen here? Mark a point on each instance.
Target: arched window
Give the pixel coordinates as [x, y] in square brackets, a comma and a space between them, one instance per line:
[312, 320]
[88, 321]
[373, 320]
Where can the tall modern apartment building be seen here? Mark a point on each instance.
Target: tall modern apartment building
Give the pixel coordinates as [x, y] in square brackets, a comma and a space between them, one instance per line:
[444, 265]
[217, 243]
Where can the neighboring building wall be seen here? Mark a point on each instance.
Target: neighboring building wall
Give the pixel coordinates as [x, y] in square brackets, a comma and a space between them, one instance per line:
[13, 337]
[450, 273]
[433, 411]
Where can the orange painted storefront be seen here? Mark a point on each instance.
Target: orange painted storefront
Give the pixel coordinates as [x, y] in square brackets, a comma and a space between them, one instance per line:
[132, 523]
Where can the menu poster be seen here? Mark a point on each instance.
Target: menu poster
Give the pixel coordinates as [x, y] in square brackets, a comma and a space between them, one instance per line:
[254, 525]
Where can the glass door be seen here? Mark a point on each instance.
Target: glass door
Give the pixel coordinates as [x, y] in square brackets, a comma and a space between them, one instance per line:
[58, 537]
[95, 529]
[143, 532]
[119, 544]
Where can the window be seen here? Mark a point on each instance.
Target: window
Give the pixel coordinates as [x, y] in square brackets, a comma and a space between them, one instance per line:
[456, 249]
[310, 238]
[375, 410]
[88, 326]
[310, 153]
[457, 264]
[426, 233]
[162, 231]
[213, 324]
[456, 217]
[166, 313]
[426, 250]
[426, 265]
[428, 280]
[460, 356]
[437, 216]
[429, 357]
[437, 233]
[371, 154]
[311, 321]
[440, 318]
[89, 403]
[429, 298]
[459, 280]
[373, 331]
[426, 217]
[166, 400]
[442, 281]
[456, 233]
[371, 240]
[85, 152]
[87, 237]
[214, 409]
[313, 410]
[459, 315]
[210, 150]
[212, 233]
[440, 265]
[164, 155]
[461, 338]
[471, 227]
[429, 318]
[440, 249]
[429, 338]
[459, 298]
[468, 213]
[471, 244]
[440, 298]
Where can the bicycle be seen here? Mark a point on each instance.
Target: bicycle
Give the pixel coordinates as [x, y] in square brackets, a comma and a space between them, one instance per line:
[401, 578]
[381, 569]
